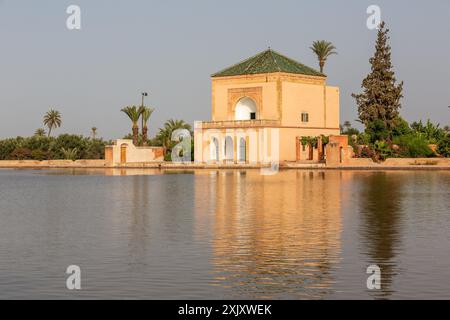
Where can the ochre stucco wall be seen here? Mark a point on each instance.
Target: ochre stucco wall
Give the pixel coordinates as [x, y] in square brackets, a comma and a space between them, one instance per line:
[288, 143]
[310, 98]
[299, 98]
[280, 97]
[283, 97]
[267, 104]
[133, 154]
[333, 108]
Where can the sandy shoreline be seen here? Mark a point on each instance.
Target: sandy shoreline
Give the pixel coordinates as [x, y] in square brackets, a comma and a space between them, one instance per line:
[394, 164]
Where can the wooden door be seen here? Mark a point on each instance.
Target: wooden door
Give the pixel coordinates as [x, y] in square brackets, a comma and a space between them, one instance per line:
[298, 148]
[123, 154]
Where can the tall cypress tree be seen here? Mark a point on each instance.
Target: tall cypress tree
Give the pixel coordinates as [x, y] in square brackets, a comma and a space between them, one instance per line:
[379, 104]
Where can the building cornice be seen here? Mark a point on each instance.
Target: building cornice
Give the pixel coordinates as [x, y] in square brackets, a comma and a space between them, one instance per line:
[270, 77]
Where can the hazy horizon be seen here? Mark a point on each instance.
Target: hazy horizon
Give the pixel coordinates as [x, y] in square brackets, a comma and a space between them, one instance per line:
[171, 48]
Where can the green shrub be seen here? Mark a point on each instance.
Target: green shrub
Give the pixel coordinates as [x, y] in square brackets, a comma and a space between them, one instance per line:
[381, 150]
[363, 139]
[40, 155]
[38, 143]
[443, 147]
[21, 154]
[70, 154]
[377, 131]
[168, 156]
[309, 141]
[7, 147]
[432, 132]
[325, 141]
[413, 145]
[364, 151]
[401, 128]
[95, 149]
[69, 142]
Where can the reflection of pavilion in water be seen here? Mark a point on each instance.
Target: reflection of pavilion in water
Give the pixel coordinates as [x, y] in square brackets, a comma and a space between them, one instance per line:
[274, 235]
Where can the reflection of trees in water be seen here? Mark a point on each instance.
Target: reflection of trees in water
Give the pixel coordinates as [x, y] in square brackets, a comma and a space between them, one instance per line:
[380, 229]
[139, 220]
[151, 196]
[277, 236]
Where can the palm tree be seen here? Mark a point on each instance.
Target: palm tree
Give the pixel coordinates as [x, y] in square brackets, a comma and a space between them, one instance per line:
[347, 125]
[164, 135]
[94, 132]
[133, 113]
[145, 116]
[70, 154]
[39, 132]
[52, 119]
[323, 49]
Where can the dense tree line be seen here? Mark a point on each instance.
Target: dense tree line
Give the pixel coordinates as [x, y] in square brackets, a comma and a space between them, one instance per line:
[65, 146]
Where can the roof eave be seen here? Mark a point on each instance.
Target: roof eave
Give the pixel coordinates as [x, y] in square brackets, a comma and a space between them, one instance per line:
[323, 76]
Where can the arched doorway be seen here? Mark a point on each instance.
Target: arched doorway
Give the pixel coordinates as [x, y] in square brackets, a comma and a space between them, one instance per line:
[229, 152]
[242, 150]
[245, 109]
[123, 153]
[214, 149]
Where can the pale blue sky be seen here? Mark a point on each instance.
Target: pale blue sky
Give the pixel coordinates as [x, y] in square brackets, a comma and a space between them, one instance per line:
[170, 48]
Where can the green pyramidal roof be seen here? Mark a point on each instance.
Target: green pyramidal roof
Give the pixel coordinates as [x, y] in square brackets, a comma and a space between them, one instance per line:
[267, 62]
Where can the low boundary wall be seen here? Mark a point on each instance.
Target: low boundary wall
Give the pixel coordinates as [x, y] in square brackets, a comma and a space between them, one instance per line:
[354, 163]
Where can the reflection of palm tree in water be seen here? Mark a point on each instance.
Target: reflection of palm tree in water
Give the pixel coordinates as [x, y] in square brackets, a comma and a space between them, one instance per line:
[139, 221]
[380, 215]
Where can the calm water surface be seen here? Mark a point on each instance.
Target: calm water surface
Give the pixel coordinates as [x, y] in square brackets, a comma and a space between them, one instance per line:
[227, 234]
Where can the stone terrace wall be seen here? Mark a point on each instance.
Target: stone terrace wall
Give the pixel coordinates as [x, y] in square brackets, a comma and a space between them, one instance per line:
[393, 162]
